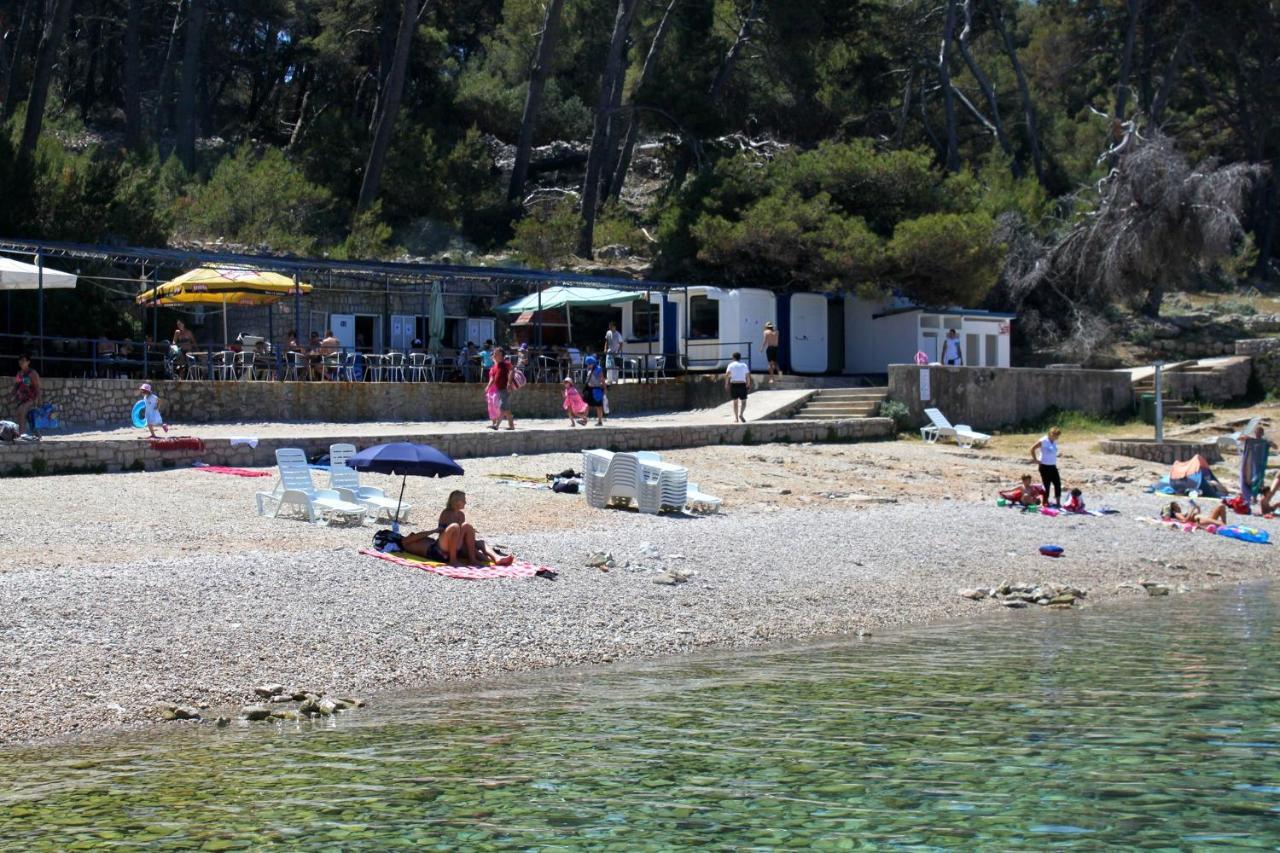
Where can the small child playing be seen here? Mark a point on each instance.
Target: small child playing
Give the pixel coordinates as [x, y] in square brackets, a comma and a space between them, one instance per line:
[152, 403]
[1075, 502]
[574, 405]
[1027, 494]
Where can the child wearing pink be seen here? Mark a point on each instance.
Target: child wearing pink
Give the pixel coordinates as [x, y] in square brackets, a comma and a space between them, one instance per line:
[574, 405]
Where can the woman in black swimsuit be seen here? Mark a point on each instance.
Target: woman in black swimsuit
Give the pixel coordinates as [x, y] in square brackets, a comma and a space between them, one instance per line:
[444, 548]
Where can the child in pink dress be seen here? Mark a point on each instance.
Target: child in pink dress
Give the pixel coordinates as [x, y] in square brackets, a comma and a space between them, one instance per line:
[574, 405]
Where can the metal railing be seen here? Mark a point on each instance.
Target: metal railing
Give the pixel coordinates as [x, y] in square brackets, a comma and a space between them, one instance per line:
[699, 358]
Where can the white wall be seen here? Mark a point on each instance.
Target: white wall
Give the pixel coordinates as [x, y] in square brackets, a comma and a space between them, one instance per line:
[982, 327]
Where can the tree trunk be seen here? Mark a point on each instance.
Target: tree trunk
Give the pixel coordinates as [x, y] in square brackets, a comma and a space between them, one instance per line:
[952, 159]
[9, 90]
[388, 108]
[1126, 61]
[1024, 93]
[187, 120]
[164, 103]
[89, 91]
[1265, 229]
[623, 164]
[731, 58]
[1155, 296]
[900, 131]
[132, 67]
[46, 55]
[1171, 69]
[533, 100]
[613, 129]
[596, 155]
[988, 91]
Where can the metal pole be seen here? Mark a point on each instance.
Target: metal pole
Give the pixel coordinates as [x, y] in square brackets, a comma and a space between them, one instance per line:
[297, 309]
[40, 305]
[1159, 404]
[539, 286]
[686, 327]
[386, 311]
[146, 350]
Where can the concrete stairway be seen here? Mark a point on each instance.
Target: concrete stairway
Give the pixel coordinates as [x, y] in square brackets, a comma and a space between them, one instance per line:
[828, 404]
[1174, 408]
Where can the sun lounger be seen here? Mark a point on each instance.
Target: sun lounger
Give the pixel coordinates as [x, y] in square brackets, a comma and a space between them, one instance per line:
[699, 501]
[345, 480]
[295, 488]
[1231, 442]
[961, 434]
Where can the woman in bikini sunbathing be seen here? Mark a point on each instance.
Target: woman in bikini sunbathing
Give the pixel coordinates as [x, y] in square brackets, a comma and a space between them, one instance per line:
[1217, 517]
[475, 550]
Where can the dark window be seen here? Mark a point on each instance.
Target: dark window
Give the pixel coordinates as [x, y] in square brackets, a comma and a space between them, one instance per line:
[644, 321]
[704, 317]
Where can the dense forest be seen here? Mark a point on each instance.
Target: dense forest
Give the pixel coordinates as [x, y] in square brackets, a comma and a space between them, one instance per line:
[1059, 157]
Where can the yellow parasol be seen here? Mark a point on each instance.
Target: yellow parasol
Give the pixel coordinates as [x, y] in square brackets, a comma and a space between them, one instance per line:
[223, 286]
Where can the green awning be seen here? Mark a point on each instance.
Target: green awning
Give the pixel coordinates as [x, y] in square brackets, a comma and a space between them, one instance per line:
[559, 296]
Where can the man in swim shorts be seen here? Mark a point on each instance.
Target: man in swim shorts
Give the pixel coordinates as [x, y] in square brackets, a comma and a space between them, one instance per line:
[771, 350]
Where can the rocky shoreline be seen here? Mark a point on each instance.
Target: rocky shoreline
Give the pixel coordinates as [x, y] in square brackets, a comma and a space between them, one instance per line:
[115, 617]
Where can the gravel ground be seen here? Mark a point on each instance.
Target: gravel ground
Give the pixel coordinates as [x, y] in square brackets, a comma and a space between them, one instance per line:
[118, 592]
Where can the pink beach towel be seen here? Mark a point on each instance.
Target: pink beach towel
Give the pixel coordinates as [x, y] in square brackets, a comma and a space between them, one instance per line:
[518, 569]
[234, 472]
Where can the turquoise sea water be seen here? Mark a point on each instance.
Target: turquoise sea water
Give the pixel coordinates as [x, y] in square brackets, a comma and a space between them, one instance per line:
[1155, 725]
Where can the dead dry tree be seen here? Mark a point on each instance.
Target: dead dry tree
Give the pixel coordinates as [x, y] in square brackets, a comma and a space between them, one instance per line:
[1154, 222]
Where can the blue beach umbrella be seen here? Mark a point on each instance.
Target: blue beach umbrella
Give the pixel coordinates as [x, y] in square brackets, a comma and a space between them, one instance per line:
[404, 458]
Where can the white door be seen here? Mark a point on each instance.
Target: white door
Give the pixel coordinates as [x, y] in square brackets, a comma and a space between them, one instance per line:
[403, 329]
[929, 345]
[808, 333]
[344, 329]
[479, 330]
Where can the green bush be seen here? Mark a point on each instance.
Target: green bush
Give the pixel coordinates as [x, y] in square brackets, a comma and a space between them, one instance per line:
[898, 411]
[256, 199]
[547, 235]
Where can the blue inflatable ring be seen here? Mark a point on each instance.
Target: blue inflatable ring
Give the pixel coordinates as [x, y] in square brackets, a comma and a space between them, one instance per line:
[139, 414]
[1051, 550]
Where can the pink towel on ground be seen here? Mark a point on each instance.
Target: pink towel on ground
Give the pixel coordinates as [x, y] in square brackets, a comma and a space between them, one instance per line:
[518, 569]
[234, 472]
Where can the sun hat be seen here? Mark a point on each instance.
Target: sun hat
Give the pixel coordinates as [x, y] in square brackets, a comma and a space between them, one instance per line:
[145, 386]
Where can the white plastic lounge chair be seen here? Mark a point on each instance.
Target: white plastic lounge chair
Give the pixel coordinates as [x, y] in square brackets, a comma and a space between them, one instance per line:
[940, 427]
[1231, 441]
[345, 480]
[296, 489]
[699, 501]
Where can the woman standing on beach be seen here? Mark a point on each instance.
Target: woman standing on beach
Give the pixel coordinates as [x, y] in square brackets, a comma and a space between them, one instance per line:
[26, 391]
[1048, 462]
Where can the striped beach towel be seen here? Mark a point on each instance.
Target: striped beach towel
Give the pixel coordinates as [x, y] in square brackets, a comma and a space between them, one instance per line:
[234, 472]
[518, 569]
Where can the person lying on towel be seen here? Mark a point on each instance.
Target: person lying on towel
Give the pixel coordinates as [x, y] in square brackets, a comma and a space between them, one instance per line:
[1027, 494]
[455, 541]
[1217, 517]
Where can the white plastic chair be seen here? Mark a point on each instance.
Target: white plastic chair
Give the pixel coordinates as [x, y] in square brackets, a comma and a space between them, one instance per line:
[595, 475]
[418, 367]
[345, 480]
[295, 366]
[295, 488]
[940, 427]
[393, 367]
[624, 478]
[662, 486]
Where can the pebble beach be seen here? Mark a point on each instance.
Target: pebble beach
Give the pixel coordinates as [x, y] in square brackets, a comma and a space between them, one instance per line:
[121, 592]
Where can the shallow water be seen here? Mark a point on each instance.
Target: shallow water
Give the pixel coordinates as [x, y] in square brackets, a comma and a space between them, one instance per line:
[1155, 725]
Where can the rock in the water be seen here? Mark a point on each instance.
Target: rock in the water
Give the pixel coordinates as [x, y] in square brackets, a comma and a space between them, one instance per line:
[352, 701]
[1155, 589]
[266, 691]
[255, 712]
[284, 714]
[186, 712]
[973, 594]
[1013, 602]
[222, 722]
[309, 706]
[299, 695]
[327, 707]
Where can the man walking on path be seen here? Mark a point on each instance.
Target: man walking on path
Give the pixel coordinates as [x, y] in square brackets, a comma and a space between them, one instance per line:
[951, 349]
[771, 350]
[737, 381]
[613, 351]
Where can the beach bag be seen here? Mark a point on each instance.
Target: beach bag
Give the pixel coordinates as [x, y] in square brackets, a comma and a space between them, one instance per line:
[606, 403]
[495, 408]
[1238, 504]
[517, 379]
[386, 540]
[9, 431]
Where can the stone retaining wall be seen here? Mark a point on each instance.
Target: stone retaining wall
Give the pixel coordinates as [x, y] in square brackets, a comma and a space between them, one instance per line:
[1165, 453]
[107, 402]
[1228, 381]
[1265, 355]
[136, 454]
[988, 398]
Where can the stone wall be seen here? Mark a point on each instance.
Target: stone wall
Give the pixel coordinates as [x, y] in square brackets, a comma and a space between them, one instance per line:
[1165, 453]
[1229, 380]
[107, 402]
[58, 456]
[1265, 356]
[994, 397]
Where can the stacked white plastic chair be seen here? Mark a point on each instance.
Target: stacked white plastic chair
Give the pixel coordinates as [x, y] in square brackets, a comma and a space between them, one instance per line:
[345, 480]
[662, 486]
[624, 479]
[595, 475]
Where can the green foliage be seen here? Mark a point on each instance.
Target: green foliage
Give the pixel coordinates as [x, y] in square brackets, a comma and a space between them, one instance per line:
[369, 238]
[547, 235]
[258, 199]
[946, 258]
[898, 411]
